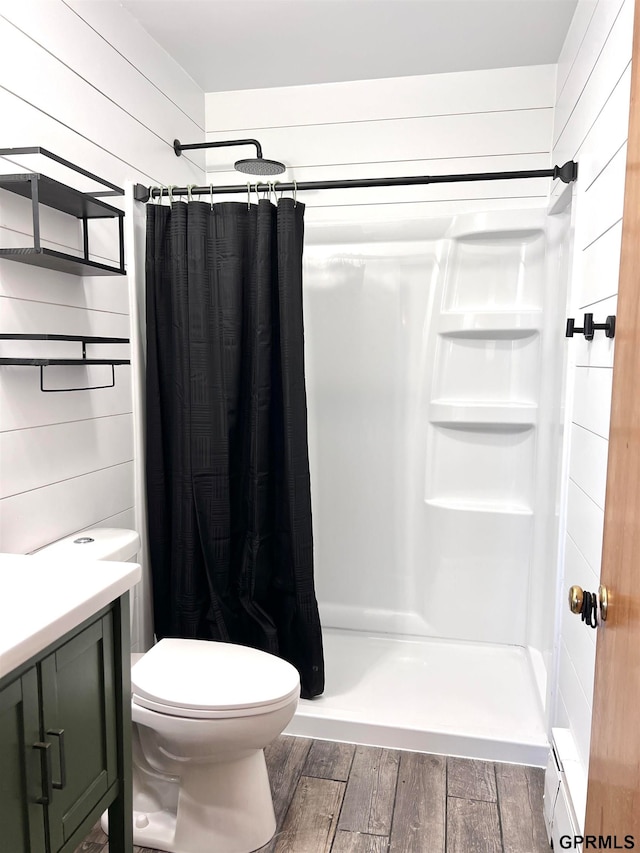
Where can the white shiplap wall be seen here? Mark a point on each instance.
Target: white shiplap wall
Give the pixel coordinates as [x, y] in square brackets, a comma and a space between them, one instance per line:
[85, 81]
[463, 122]
[591, 124]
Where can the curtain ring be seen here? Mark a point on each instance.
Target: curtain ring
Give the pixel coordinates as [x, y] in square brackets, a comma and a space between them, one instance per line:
[152, 187]
[189, 196]
[272, 190]
[211, 195]
[170, 193]
[248, 195]
[295, 193]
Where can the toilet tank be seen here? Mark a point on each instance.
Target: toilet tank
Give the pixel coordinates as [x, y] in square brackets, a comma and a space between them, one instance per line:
[98, 543]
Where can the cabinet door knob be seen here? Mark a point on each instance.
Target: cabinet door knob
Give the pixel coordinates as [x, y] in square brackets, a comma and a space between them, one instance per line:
[59, 733]
[45, 772]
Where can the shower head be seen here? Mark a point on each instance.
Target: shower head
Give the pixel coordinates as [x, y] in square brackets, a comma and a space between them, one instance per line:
[259, 166]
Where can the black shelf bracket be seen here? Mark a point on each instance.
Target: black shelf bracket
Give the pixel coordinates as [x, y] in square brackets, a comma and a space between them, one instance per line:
[41, 189]
[83, 361]
[589, 328]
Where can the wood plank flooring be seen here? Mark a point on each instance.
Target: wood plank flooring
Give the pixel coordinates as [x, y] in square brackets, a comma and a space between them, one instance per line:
[341, 798]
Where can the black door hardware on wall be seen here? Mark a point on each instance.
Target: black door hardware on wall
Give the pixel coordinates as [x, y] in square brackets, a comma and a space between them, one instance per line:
[84, 206]
[589, 328]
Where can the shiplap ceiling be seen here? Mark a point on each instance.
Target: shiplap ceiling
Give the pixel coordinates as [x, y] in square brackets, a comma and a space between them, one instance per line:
[251, 44]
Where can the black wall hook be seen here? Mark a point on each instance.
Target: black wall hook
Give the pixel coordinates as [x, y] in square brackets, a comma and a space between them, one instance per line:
[589, 328]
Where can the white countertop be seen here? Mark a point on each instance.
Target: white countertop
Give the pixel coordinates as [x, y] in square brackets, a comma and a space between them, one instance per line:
[41, 600]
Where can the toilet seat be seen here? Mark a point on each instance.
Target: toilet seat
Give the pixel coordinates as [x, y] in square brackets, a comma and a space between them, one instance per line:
[202, 679]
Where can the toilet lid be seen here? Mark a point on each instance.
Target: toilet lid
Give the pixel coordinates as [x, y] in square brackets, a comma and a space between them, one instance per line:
[206, 678]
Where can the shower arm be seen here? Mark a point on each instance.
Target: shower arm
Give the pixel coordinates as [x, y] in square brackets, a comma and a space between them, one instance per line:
[178, 147]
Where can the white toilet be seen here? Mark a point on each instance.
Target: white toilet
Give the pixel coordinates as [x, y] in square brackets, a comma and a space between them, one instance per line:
[203, 712]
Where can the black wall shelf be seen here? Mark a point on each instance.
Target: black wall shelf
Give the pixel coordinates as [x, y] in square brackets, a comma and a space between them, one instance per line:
[60, 261]
[83, 361]
[48, 362]
[41, 189]
[59, 196]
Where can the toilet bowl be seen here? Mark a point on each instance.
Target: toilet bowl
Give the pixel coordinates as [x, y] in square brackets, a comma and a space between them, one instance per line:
[203, 712]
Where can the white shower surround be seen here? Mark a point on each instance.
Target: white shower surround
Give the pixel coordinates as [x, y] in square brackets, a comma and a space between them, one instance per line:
[434, 380]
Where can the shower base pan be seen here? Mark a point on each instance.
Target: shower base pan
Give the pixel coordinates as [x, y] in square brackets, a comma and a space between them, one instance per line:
[427, 695]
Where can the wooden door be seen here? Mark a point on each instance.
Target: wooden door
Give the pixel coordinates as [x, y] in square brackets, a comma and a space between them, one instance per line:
[22, 782]
[613, 799]
[79, 720]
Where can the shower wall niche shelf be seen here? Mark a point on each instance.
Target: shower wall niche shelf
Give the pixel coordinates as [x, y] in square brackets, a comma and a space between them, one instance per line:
[496, 416]
[41, 189]
[82, 361]
[508, 325]
[479, 507]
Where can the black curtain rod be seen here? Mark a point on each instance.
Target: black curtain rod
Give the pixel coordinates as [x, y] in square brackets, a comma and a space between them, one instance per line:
[566, 173]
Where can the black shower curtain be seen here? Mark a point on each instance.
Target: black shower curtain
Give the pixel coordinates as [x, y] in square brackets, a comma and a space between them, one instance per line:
[227, 461]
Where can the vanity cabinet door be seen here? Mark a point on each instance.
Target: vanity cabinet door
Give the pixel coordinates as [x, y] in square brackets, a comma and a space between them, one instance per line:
[21, 777]
[79, 720]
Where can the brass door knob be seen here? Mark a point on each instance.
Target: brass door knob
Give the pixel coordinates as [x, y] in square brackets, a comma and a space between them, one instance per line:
[603, 598]
[576, 597]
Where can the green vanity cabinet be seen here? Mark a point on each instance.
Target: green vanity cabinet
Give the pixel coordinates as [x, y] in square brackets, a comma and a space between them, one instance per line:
[79, 720]
[65, 741]
[21, 823]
